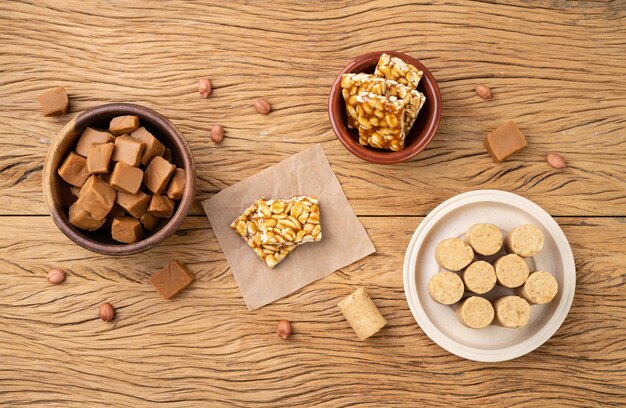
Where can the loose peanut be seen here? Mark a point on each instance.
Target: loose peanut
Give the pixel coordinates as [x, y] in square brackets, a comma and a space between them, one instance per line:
[555, 161]
[217, 133]
[107, 312]
[483, 91]
[262, 106]
[56, 276]
[205, 88]
[283, 329]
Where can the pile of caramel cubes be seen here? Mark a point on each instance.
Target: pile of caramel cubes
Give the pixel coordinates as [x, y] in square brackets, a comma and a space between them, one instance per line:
[122, 179]
[383, 106]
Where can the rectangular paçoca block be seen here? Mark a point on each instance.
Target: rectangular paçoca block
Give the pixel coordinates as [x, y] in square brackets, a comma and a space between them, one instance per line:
[99, 157]
[172, 279]
[54, 102]
[126, 178]
[362, 314]
[74, 170]
[92, 136]
[153, 147]
[123, 124]
[504, 141]
[96, 197]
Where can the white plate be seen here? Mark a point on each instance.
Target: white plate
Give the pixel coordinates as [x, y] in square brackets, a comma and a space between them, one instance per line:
[451, 219]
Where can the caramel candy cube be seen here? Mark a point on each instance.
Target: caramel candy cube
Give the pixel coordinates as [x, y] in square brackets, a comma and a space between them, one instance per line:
[80, 218]
[149, 221]
[161, 206]
[54, 102]
[504, 141]
[75, 191]
[123, 124]
[176, 187]
[96, 197]
[126, 229]
[172, 279]
[128, 150]
[153, 147]
[134, 204]
[115, 212]
[126, 178]
[158, 174]
[99, 157]
[74, 170]
[92, 136]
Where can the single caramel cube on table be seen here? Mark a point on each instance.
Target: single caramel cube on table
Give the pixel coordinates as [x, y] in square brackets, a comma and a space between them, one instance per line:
[92, 136]
[172, 279]
[176, 187]
[134, 204]
[504, 141]
[74, 170]
[153, 147]
[123, 124]
[149, 221]
[83, 219]
[54, 102]
[96, 197]
[126, 229]
[161, 206]
[158, 174]
[99, 157]
[126, 178]
[128, 150]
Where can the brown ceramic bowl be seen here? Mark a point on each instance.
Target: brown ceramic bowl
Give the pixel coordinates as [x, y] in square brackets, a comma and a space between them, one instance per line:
[56, 190]
[419, 136]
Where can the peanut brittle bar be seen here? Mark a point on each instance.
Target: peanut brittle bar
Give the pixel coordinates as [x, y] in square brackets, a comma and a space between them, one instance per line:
[273, 228]
[381, 121]
[398, 70]
[413, 101]
[354, 84]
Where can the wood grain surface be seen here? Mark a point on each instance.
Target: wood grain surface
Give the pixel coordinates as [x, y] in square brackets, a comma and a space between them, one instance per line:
[558, 68]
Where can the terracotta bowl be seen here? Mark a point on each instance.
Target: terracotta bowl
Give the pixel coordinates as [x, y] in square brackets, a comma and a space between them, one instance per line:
[423, 129]
[57, 194]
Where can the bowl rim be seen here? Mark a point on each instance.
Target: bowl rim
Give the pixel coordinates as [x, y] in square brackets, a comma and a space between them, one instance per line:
[383, 157]
[75, 126]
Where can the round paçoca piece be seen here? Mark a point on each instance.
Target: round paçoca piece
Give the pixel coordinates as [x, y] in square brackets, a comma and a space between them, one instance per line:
[485, 239]
[479, 277]
[453, 254]
[540, 288]
[475, 312]
[511, 271]
[512, 312]
[525, 240]
[446, 288]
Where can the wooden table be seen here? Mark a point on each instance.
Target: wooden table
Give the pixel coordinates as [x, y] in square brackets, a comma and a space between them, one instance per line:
[558, 68]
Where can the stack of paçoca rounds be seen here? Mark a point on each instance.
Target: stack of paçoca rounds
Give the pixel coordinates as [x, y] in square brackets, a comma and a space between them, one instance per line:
[466, 270]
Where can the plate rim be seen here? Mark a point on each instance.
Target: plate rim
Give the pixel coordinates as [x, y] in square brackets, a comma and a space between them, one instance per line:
[471, 353]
